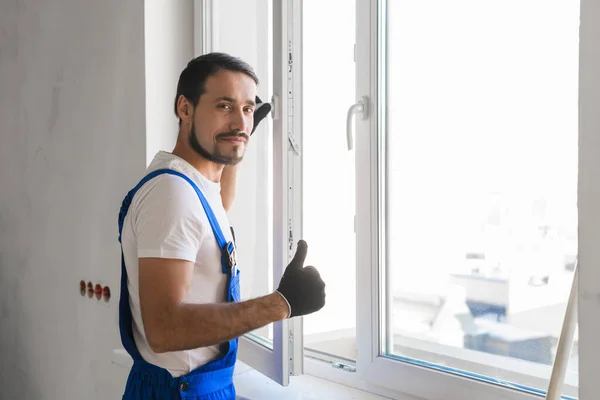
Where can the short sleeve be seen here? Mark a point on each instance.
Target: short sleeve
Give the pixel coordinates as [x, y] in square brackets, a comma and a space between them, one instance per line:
[168, 221]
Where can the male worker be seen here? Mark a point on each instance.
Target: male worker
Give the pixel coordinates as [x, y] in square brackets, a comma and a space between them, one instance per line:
[180, 312]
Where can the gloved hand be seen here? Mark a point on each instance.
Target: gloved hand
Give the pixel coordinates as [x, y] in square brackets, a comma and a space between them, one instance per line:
[260, 112]
[302, 287]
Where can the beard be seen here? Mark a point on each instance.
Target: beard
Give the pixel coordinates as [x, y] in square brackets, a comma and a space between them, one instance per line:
[216, 156]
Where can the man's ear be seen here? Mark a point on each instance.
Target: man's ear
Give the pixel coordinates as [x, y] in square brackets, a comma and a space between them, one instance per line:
[260, 112]
[184, 109]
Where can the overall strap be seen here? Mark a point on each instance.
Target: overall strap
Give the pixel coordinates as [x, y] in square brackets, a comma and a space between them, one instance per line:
[226, 247]
[209, 213]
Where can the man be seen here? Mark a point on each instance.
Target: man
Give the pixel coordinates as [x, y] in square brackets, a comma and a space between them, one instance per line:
[180, 312]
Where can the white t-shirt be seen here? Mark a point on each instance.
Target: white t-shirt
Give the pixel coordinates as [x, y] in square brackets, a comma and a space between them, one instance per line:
[167, 220]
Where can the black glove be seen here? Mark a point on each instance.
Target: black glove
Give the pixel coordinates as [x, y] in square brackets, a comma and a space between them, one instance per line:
[260, 112]
[301, 286]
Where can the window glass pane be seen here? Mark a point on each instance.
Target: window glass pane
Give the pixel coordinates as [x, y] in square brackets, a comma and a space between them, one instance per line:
[328, 171]
[481, 184]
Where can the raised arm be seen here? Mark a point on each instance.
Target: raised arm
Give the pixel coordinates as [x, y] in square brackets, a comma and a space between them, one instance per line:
[229, 175]
[228, 186]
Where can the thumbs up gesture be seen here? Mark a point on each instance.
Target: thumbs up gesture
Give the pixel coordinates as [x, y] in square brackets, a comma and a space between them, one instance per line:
[302, 287]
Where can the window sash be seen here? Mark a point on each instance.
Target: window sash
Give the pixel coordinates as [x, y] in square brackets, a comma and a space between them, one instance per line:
[397, 374]
[285, 357]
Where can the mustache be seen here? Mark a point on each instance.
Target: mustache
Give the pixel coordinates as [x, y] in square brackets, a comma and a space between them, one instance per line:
[233, 134]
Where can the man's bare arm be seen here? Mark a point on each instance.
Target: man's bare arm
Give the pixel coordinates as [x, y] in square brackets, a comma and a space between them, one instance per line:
[228, 185]
[171, 324]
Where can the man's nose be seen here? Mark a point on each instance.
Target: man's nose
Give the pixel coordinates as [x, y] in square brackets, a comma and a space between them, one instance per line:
[239, 122]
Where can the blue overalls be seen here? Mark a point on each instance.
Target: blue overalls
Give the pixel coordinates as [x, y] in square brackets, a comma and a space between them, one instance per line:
[212, 381]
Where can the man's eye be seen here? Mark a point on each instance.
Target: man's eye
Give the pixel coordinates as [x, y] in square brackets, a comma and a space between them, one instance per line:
[249, 110]
[225, 106]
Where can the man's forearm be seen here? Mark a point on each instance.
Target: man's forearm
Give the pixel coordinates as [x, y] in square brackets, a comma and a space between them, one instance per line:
[190, 326]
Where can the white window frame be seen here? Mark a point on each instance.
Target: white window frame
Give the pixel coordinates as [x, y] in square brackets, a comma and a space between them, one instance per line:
[401, 375]
[204, 34]
[589, 198]
[285, 357]
[294, 144]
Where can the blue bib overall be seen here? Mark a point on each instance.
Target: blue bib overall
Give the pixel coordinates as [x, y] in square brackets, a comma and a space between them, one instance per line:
[212, 381]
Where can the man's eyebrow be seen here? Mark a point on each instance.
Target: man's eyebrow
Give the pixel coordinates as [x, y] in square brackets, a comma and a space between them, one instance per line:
[232, 100]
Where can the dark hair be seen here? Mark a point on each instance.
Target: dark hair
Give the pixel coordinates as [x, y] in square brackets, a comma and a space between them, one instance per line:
[193, 77]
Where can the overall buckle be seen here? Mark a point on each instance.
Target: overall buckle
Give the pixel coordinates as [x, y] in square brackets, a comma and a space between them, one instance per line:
[230, 256]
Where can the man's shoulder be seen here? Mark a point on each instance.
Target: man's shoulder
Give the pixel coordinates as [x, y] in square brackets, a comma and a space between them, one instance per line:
[167, 182]
[166, 190]
[167, 201]
[164, 160]
[169, 185]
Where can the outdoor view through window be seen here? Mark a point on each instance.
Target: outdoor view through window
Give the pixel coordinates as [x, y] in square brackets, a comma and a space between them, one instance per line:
[480, 136]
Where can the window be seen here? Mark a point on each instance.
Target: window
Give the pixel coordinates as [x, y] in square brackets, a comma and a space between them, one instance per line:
[467, 191]
[448, 234]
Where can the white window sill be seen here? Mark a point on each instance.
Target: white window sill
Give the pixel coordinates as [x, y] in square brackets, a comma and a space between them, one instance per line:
[343, 343]
[251, 384]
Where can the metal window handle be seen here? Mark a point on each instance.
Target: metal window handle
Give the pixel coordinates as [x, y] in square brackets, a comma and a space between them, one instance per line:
[275, 107]
[360, 107]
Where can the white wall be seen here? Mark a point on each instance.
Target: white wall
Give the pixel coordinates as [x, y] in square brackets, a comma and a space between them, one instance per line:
[72, 143]
[589, 200]
[169, 32]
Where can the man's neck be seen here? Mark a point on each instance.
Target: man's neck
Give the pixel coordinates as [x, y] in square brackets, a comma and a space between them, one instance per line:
[208, 169]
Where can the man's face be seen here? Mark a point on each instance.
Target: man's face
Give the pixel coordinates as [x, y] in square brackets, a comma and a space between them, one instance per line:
[223, 118]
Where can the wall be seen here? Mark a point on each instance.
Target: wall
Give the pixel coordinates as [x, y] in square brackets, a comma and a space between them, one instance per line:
[72, 142]
[589, 199]
[169, 33]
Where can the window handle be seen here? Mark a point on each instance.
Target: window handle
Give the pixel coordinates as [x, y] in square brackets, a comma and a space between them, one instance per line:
[360, 107]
